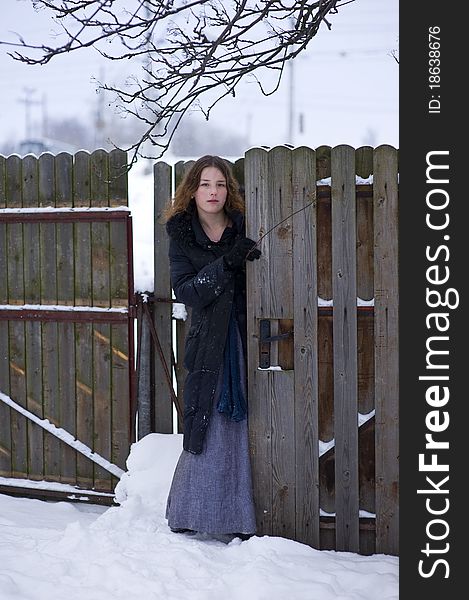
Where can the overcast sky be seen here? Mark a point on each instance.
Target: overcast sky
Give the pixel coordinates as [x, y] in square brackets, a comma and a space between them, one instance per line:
[345, 86]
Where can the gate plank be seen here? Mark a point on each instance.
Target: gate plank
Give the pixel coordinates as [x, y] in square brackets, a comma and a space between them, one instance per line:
[385, 190]
[305, 347]
[345, 347]
[258, 307]
[324, 233]
[100, 256]
[162, 310]
[66, 331]
[15, 283]
[83, 331]
[50, 398]
[120, 386]
[33, 341]
[5, 433]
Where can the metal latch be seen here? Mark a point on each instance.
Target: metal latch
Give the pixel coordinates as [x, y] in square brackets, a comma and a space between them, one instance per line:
[265, 339]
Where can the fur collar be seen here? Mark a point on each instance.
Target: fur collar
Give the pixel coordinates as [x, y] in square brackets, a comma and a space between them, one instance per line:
[186, 229]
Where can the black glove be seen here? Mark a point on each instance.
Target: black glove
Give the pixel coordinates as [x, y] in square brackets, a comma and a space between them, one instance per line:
[242, 250]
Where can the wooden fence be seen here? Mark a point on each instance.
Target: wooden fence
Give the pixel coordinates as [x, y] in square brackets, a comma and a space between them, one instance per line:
[323, 398]
[66, 335]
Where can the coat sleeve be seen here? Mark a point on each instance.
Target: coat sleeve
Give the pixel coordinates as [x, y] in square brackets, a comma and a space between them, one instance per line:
[197, 289]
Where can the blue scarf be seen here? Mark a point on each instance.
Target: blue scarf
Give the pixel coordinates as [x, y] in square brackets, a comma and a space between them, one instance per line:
[232, 402]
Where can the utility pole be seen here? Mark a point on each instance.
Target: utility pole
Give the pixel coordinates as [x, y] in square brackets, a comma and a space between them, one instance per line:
[28, 102]
[291, 103]
[99, 124]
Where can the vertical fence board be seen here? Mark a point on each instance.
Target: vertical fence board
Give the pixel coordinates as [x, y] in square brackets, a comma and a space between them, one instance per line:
[283, 454]
[32, 263]
[324, 233]
[49, 333]
[118, 196]
[144, 398]
[83, 331]
[5, 433]
[279, 242]
[305, 347]
[118, 178]
[162, 310]
[345, 347]
[5, 418]
[19, 441]
[100, 256]
[386, 348]
[258, 306]
[15, 282]
[33, 341]
[364, 168]
[119, 385]
[84, 359]
[66, 331]
[14, 272]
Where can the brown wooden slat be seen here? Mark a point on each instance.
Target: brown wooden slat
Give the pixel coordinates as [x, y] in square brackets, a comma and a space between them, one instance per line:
[161, 310]
[84, 357]
[16, 351]
[365, 356]
[364, 161]
[82, 231]
[102, 401]
[3, 162]
[19, 454]
[283, 454]
[345, 347]
[66, 331]
[34, 381]
[32, 259]
[42, 314]
[5, 432]
[5, 420]
[50, 368]
[324, 233]
[100, 255]
[119, 396]
[15, 278]
[81, 495]
[118, 178]
[258, 306]
[365, 289]
[305, 348]
[385, 189]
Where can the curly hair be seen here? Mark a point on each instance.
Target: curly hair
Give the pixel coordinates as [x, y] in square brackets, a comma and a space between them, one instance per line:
[191, 180]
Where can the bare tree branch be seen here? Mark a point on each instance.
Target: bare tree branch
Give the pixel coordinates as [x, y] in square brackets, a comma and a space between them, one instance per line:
[191, 54]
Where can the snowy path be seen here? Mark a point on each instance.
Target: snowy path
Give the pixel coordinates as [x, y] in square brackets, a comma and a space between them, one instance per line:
[55, 551]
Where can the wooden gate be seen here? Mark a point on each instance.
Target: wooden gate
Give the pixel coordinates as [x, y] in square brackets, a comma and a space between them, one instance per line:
[66, 318]
[322, 345]
[322, 341]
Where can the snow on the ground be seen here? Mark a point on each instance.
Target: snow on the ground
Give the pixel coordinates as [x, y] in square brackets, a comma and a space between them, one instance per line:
[53, 551]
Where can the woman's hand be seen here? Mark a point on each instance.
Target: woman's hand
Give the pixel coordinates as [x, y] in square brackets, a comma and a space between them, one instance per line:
[244, 249]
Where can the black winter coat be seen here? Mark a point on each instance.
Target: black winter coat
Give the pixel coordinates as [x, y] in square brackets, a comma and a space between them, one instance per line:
[201, 281]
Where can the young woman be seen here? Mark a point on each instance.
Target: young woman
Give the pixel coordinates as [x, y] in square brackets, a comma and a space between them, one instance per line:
[211, 490]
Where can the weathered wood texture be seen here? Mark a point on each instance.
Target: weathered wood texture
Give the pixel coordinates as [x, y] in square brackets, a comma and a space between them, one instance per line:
[329, 273]
[72, 372]
[324, 262]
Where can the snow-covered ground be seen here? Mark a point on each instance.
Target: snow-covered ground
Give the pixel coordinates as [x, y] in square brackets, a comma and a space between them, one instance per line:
[58, 551]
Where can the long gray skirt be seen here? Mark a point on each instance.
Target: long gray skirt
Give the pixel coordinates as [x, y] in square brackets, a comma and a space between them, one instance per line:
[211, 492]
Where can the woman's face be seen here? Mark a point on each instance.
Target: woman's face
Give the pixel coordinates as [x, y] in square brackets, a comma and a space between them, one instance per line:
[210, 196]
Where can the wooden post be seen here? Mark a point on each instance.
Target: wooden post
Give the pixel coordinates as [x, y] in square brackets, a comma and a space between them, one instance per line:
[345, 347]
[386, 349]
[162, 310]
